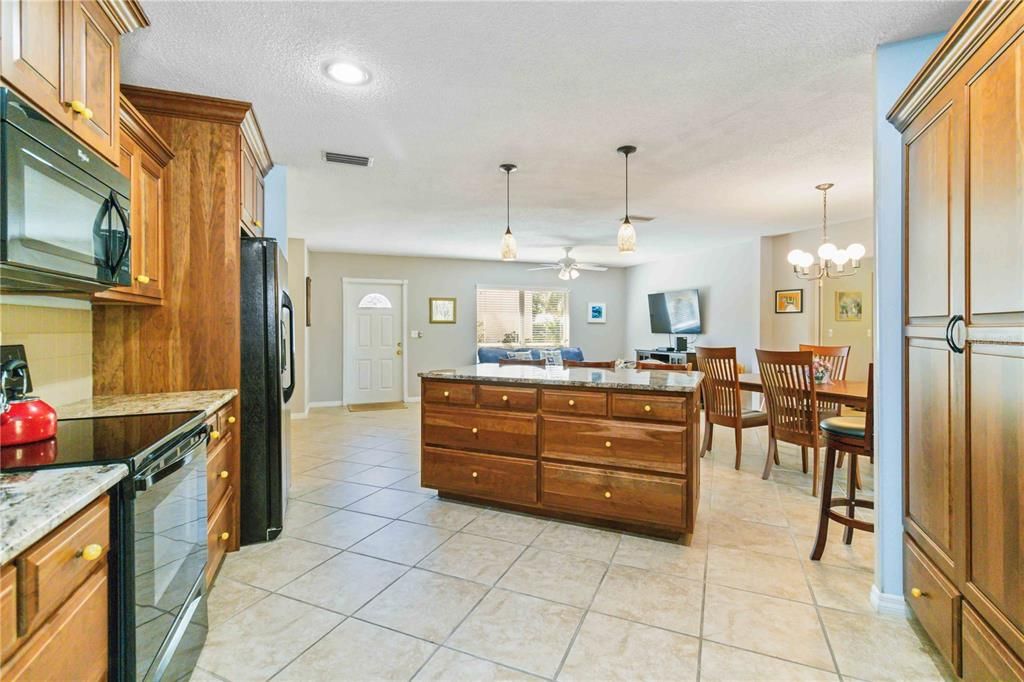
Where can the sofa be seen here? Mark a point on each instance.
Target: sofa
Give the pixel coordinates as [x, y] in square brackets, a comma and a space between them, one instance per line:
[493, 353]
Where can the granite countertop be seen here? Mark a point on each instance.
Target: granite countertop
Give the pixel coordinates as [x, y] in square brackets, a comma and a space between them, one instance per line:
[147, 403]
[584, 377]
[33, 503]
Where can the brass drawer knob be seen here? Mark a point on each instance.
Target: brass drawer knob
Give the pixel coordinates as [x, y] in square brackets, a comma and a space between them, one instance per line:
[257, 223]
[446, 394]
[475, 430]
[475, 475]
[607, 443]
[231, 420]
[224, 474]
[142, 279]
[647, 408]
[77, 106]
[504, 398]
[214, 435]
[90, 552]
[608, 494]
[571, 403]
[225, 535]
[916, 593]
[87, 114]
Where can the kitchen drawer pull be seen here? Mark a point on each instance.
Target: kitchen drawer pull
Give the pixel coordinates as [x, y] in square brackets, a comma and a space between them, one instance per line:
[475, 475]
[142, 279]
[90, 552]
[257, 223]
[647, 408]
[225, 535]
[916, 593]
[231, 419]
[504, 398]
[607, 443]
[446, 394]
[214, 435]
[77, 106]
[608, 494]
[571, 402]
[87, 114]
[224, 474]
[476, 430]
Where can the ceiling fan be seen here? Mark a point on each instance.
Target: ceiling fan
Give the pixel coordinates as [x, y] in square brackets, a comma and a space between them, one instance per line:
[568, 268]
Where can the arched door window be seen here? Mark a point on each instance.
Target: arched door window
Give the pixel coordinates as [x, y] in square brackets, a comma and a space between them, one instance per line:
[375, 301]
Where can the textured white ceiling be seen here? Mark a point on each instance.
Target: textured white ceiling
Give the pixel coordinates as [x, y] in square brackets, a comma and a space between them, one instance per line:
[738, 110]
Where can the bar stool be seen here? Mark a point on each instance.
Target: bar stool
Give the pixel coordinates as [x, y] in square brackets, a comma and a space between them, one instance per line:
[855, 437]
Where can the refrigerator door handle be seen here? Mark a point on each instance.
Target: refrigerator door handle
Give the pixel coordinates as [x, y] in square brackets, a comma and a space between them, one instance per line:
[289, 353]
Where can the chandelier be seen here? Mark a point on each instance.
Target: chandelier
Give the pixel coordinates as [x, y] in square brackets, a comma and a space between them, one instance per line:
[831, 259]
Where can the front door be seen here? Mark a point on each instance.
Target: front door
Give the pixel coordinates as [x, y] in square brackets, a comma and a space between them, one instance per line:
[373, 343]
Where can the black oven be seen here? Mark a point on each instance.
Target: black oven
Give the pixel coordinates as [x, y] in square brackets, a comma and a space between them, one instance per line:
[64, 209]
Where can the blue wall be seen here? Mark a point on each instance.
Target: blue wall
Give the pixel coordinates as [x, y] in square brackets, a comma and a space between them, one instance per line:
[275, 206]
[896, 64]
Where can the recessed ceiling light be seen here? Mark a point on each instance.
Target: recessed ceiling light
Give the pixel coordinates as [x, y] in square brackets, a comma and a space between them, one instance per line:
[347, 73]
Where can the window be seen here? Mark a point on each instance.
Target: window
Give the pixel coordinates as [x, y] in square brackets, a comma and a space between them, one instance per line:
[374, 301]
[522, 317]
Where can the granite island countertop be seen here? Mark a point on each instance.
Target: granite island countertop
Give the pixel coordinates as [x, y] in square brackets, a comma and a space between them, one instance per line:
[148, 403]
[671, 381]
[32, 503]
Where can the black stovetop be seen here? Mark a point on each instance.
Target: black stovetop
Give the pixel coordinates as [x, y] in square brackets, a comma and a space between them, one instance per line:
[98, 440]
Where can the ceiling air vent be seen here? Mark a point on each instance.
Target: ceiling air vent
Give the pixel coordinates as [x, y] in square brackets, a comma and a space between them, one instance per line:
[349, 159]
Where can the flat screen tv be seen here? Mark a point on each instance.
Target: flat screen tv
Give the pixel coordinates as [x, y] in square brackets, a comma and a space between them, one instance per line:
[675, 312]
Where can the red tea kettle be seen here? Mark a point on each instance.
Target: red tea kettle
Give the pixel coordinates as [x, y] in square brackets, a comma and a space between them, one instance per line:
[23, 419]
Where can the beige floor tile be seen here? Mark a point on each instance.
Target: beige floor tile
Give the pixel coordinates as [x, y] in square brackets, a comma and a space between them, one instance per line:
[447, 665]
[262, 639]
[756, 572]
[859, 555]
[404, 461]
[559, 577]
[301, 512]
[614, 649]
[424, 604]
[200, 675]
[342, 529]
[303, 464]
[589, 543]
[720, 663]
[767, 625]
[406, 543]
[333, 451]
[302, 485]
[381, 476]
[338, 494]
[874, 648]
[370, 441]
[338, 470]
[662, 556]
[228, 597]
[412, 484]
[658, 599]
[389, 503]
[727, 531]
[840, 588]
[766, 511]
[519, 631]
[517, 528]
[364, 456]
[344, 583]
[472, 557]
[271, 565]
[405, 446]
[360, 651]
[443, 514]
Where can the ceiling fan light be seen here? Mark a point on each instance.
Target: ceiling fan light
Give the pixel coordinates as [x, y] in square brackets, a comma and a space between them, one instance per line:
[509, 248]
[827, 250]
[563, 274]
[574, 273]
[627, 237]
[856, 251]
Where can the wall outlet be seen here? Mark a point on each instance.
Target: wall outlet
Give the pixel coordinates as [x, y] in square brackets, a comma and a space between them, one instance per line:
[415, 334]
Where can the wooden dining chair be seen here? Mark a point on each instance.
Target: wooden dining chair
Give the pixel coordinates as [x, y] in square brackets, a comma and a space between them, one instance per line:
[837, 358]
[596, 364]
[855, 436]
[647, 366]
[792, 400]
[541, 362]
[722, 398]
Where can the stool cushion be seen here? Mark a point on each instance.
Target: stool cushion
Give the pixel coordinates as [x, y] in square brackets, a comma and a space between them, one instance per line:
[846, 426]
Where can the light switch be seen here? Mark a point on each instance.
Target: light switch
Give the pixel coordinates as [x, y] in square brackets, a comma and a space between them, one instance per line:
[415, 334]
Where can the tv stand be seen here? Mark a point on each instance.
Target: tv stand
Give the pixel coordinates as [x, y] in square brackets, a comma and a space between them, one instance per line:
[671, 357]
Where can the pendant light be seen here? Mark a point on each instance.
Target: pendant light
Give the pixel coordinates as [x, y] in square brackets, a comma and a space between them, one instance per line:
[509, 249]
[627, 233]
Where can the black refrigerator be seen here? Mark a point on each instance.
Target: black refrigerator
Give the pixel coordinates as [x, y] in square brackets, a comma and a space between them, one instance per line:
[268, 380]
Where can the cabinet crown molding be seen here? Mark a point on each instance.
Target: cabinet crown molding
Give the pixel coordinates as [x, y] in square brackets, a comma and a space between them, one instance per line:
[134, 123]
[980, 20]
[127, 15]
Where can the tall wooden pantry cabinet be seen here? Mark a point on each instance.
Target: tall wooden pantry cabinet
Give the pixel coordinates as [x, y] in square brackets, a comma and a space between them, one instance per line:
[962, 121]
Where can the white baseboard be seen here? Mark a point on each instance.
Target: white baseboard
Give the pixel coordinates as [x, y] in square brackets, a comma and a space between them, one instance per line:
[414, 399]
[888, 604]
[324, 403]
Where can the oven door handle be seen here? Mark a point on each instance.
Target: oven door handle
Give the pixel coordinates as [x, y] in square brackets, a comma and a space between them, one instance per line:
[161, 469]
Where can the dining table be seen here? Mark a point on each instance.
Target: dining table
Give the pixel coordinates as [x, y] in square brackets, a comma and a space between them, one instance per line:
[849, 393]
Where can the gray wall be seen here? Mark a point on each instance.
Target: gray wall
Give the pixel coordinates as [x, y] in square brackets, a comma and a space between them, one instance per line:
[297, 290]
[445, 345]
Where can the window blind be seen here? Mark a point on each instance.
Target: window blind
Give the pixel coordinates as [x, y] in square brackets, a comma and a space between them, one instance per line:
[522, 317]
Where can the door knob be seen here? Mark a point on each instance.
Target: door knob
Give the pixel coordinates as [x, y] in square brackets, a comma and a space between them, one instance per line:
[398, 352]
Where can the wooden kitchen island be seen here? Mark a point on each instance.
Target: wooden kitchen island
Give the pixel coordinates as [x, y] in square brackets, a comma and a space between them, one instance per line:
[616, 448]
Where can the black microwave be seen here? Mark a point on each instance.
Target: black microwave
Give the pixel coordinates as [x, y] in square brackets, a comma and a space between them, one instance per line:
[64, 210]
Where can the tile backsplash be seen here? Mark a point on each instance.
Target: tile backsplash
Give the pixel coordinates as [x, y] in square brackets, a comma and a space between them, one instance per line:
[58, 345]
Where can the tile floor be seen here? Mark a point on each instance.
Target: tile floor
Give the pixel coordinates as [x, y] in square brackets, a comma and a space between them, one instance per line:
[374, 578]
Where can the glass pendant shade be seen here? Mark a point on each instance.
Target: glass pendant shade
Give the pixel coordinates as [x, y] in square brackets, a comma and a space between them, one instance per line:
[573, 274]
[509, 249]
[627, 237]
[841, 257]
[563, 274]
[806, 259]
[827, 250]
[793, 257]
[856, 251]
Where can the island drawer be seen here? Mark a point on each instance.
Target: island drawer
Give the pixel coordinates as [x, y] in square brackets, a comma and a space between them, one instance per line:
[585, 404]
[449, 393]
[480, 430]
[507, 398]
[489, 476]
[614, 495]
[656, 447]
[218, 534]
[934, 600]
[54, 567]
[218, 474]
[656, 407]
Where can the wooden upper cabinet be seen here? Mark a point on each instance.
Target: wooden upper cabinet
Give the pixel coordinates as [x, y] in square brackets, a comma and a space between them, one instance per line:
[31, 45]
[254, 164]
[143, 157]
[94, 79]
[258, 205]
